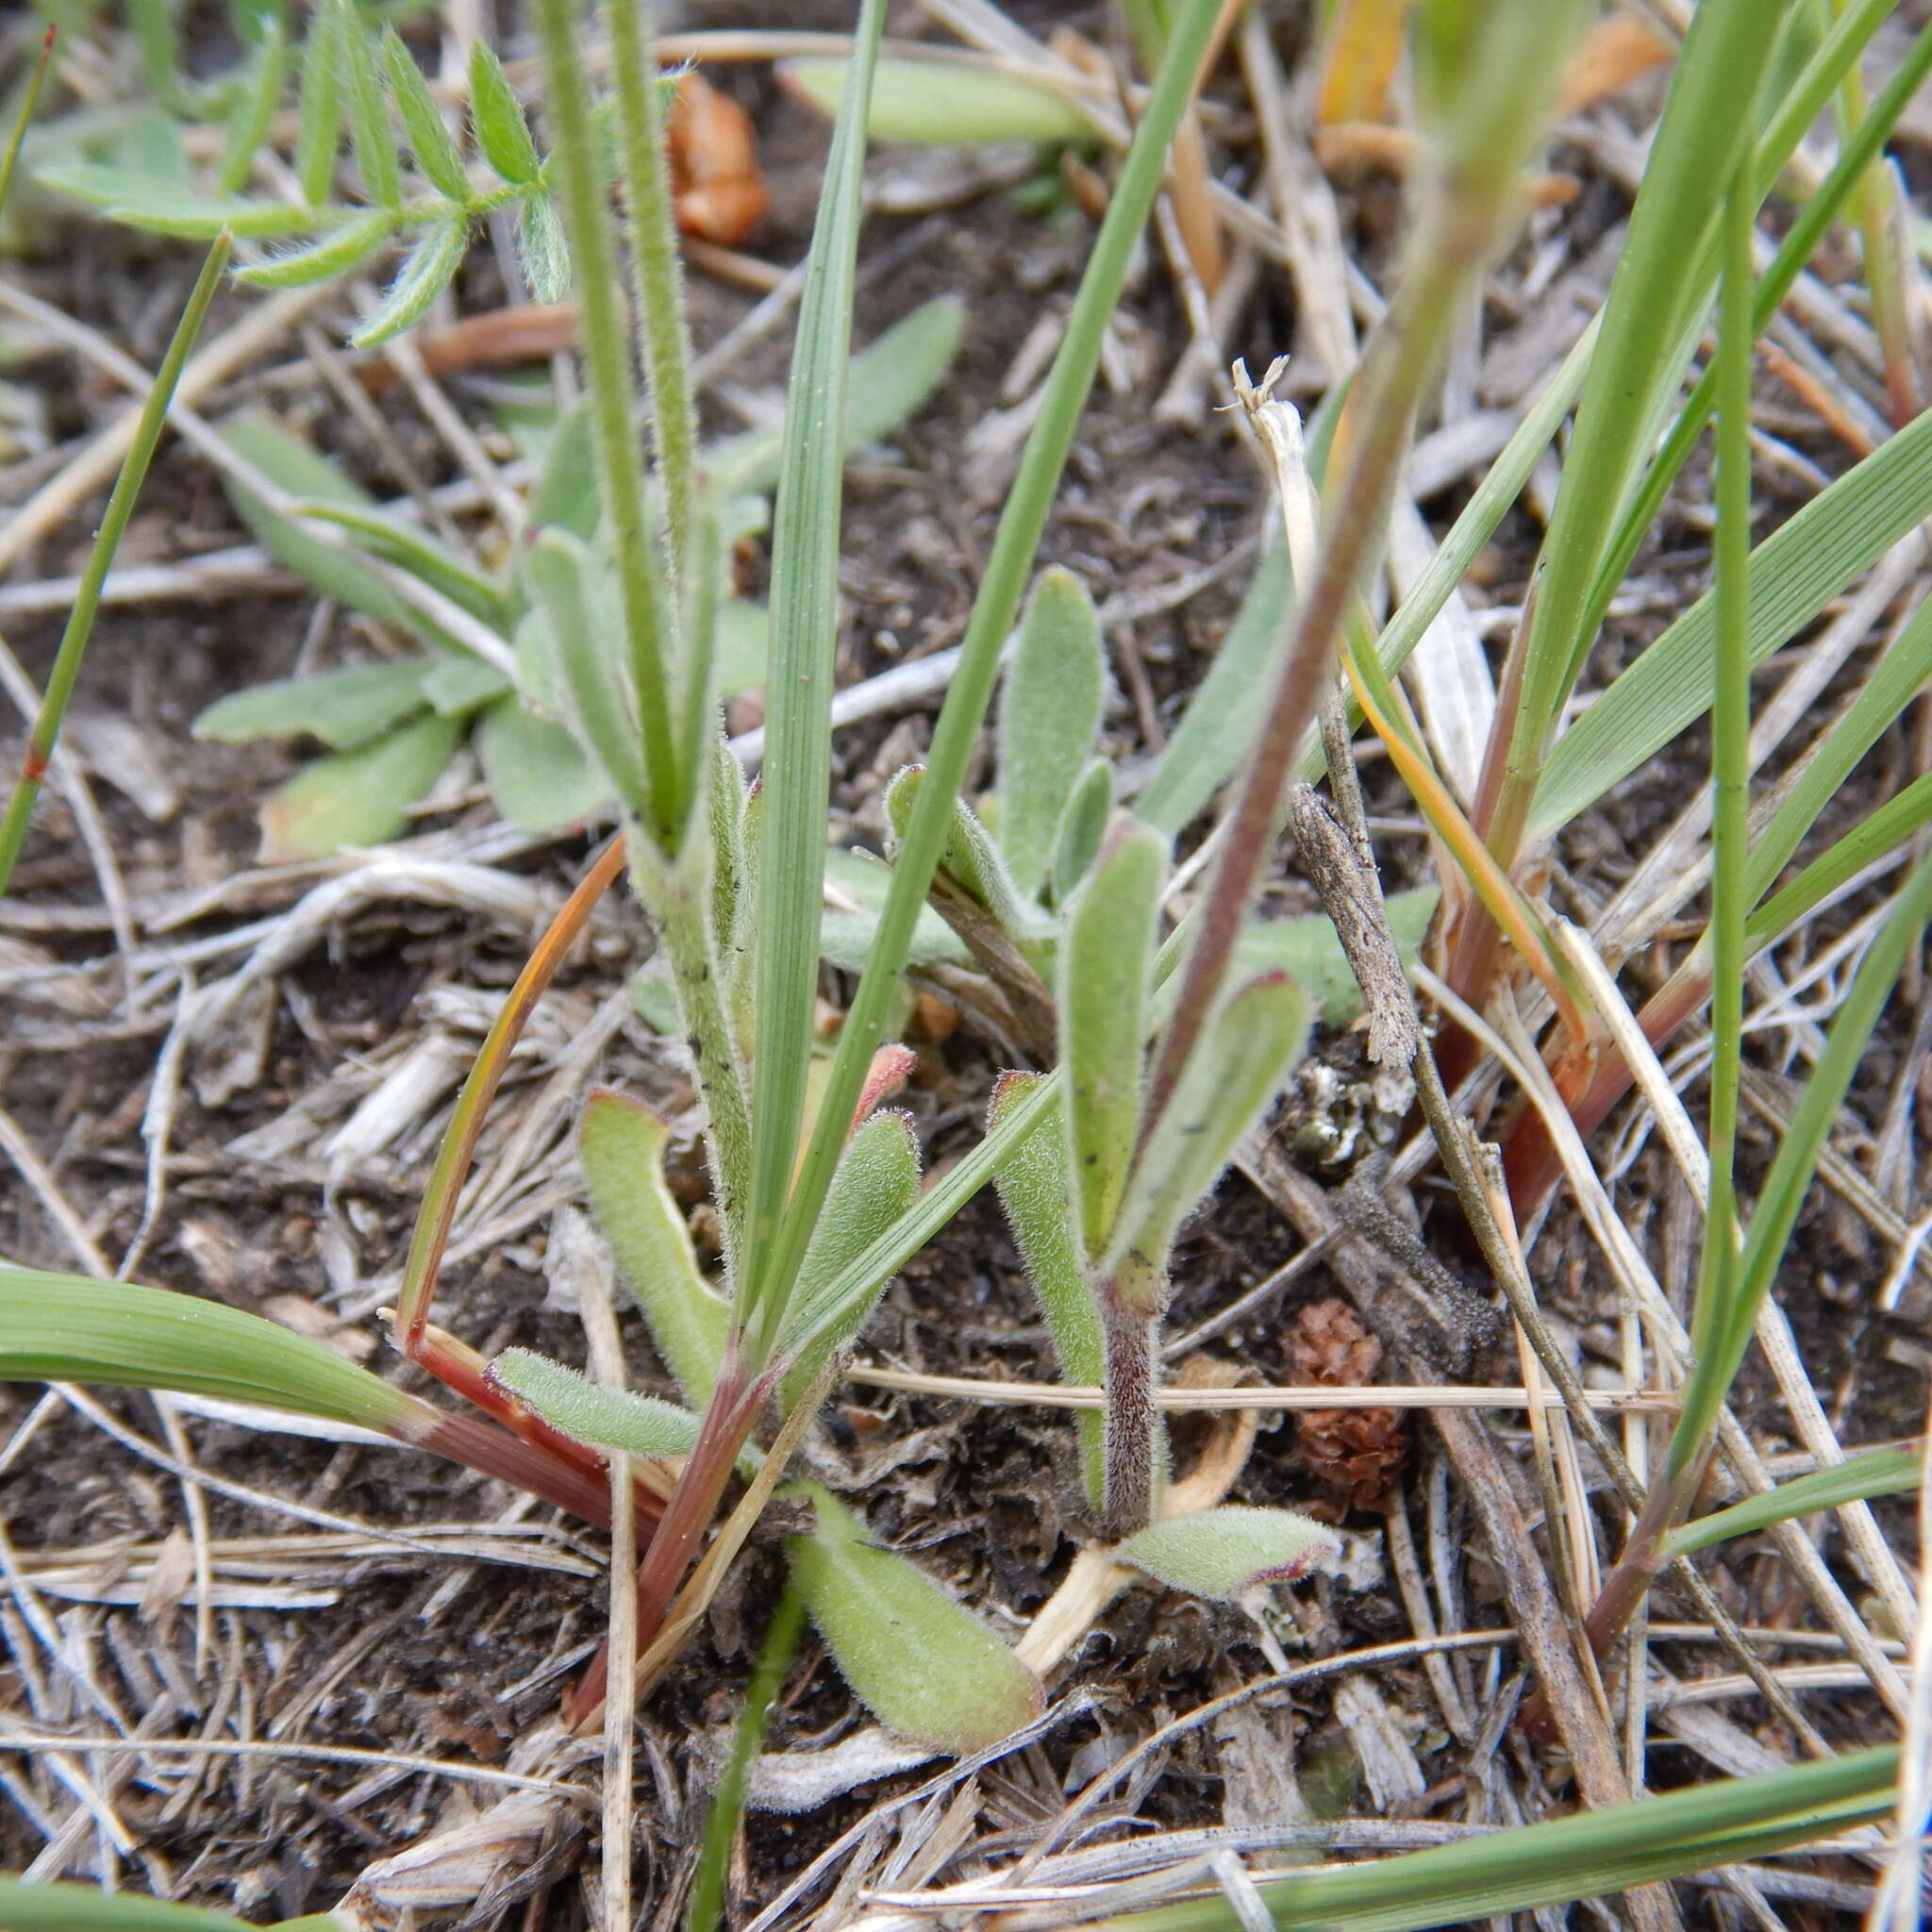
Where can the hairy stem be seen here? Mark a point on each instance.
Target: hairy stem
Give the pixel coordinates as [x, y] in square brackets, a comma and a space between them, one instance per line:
[1133, 1423]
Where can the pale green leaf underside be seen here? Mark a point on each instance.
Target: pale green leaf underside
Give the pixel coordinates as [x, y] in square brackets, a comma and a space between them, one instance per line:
[946, 104]
[342, 709]
[360, 797]
[1224, 1554]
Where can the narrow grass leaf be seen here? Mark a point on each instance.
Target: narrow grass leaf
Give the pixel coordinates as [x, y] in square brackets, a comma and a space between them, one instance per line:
[24, 117]
[589, 1413]
[1002, 586]
[1208, 743]
[66, 1328]
[360, 797]
[302, 472]
[1794, 573]
[1888, 689]
[1591, 1854]
[1797, 1159]
[1104, 975]
[705, 1911]
[1040, 1208]
[1227, 1552]
[1894, 821]
[45, 731]
[1049, 712]
[342, 709]
[419, 552]
[621, 1144]
[1879, 1473]
[945, 104]
[62, 1907]
[798, 734]
[1705, 131]
[923, 1664]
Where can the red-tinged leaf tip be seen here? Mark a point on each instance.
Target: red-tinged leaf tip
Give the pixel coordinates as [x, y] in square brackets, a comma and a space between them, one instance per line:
[890, 1067]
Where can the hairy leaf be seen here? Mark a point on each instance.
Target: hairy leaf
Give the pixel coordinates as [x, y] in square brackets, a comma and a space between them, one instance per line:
[360, 797]
[344, 708]
[589, 1413]
[502, 132]
[538, 775]
[1039, 1208]
[319, 110]
[1048, 716]
[923, 1664]
[1105, 965]
[1224, 1554]
[622, 1144]
[427, 270]
[334, 252]
[877, 1181]
[1236, 1069]
[1083, 825]
[376, 153]
[436, 153]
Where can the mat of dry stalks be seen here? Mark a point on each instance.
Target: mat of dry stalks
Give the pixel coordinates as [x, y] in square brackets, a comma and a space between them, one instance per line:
[229, 1079]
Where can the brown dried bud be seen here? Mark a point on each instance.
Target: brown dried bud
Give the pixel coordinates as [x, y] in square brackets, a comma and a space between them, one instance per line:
[1359, 1451]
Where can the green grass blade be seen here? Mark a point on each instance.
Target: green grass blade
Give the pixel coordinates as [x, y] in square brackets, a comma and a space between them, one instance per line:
[1797, 1159]
[804, 671]
[1880, 1473]
[1730, 760]
[86, 601]
[706, 1907]
[1796, 249]
[88, 1908]
[1887, 690]
[1894, 820]
[11, 159]
[1588, 1856]
[1705, 131]
[65, 1328]
[994, 608]
[1794, 573]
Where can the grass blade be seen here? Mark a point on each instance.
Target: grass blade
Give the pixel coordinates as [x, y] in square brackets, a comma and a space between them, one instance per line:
[11, 159]
[1730, 760]
[1001, 588]
[1880, 1473]
[706, 1907]
[88, 1908]
[1794, 573]
[1588, 1856]
[804, 602]
[1705, 129]
[1797, 1159]
[87, 602]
